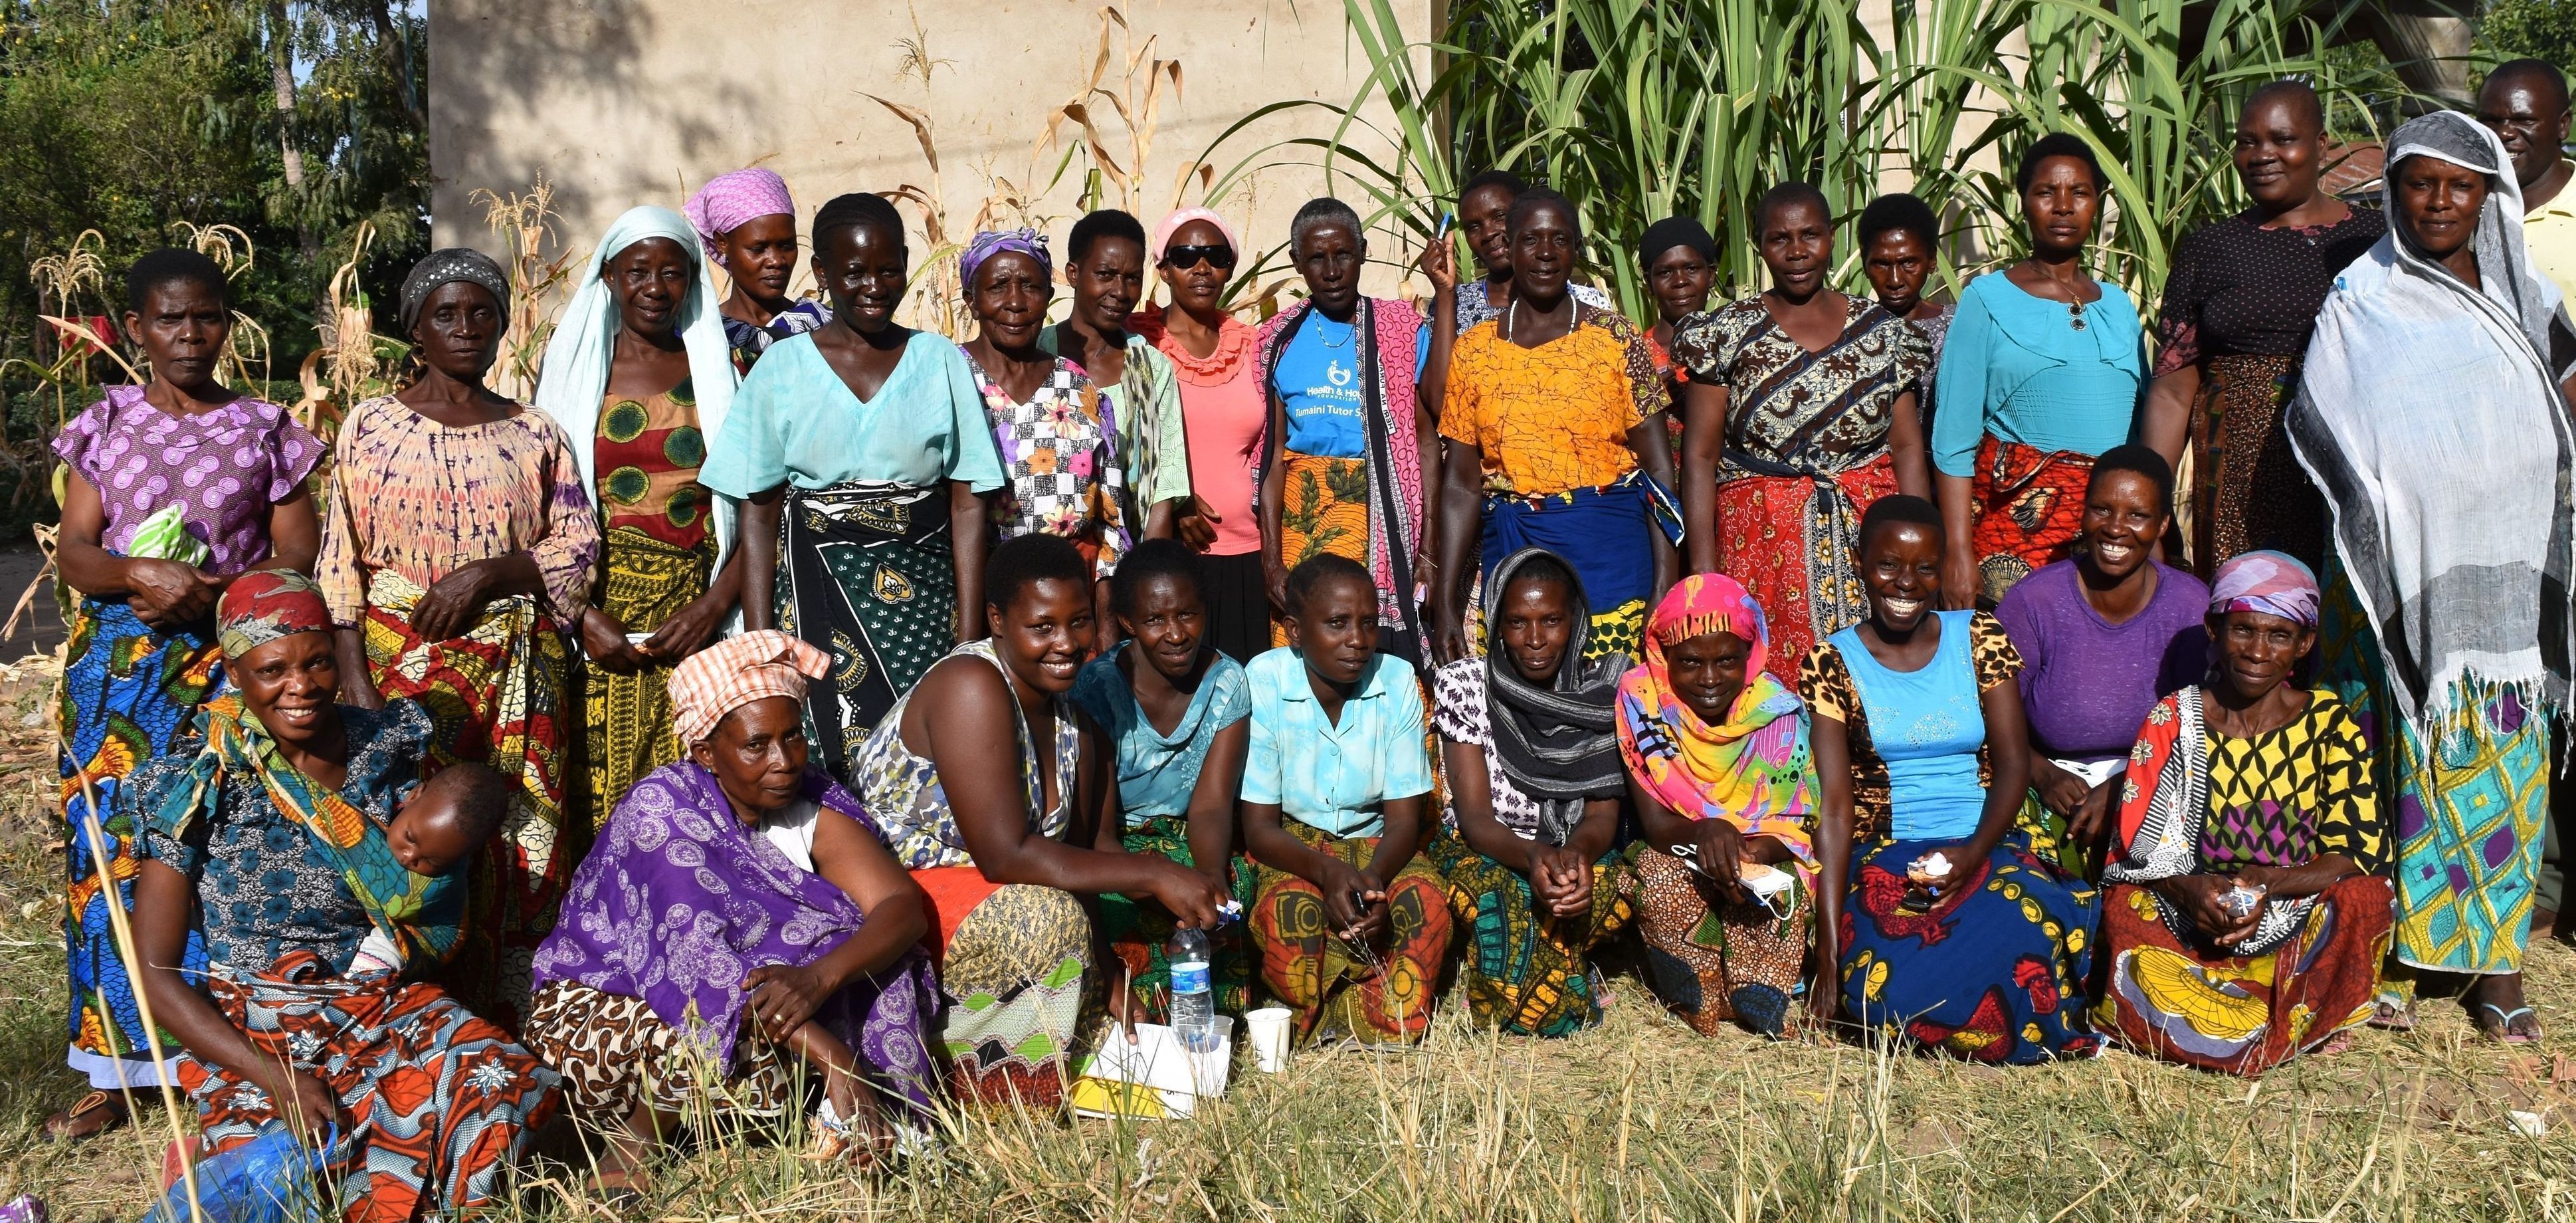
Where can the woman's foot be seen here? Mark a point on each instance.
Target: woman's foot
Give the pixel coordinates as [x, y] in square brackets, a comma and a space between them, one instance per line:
[92, 1115]
[2498, 1009]
[2393, 1016]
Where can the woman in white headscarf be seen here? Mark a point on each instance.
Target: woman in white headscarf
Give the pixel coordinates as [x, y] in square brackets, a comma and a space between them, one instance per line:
[639, 374]
[2434, 416]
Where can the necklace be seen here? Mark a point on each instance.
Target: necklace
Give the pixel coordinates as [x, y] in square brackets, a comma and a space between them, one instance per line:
[2075, 315]
[1347, 337]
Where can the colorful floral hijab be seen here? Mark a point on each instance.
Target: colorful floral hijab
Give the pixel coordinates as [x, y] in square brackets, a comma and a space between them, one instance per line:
[1754, 768]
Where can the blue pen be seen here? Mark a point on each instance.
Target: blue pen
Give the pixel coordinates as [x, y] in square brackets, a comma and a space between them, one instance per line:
[1443, 231]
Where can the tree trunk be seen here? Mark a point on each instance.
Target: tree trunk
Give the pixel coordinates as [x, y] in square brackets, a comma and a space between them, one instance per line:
[281, 79]
[398, 50]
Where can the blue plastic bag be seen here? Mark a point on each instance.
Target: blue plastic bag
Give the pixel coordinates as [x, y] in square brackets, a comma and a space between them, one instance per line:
[274, 1178]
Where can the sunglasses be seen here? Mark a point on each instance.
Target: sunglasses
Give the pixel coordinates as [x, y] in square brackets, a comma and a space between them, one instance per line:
[1219, 257]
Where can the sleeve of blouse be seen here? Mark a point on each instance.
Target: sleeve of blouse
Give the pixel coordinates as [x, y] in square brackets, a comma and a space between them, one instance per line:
[2024, 629]
[292, 452]
[1996, 660]
[145, 792]
[1408, 765]
[972, 457]
[1960, 388]
[1825, 685]
[568, 554]
[1105, 501]
[338, 568]
[1455, 715]
[2178, 315]
[1912, 359]
[1645, 387]
[75, 444]
[1458, 402]
[1702, 344]
[748, 456]
[2348, 802]
[1171, 431]
[1264, 771]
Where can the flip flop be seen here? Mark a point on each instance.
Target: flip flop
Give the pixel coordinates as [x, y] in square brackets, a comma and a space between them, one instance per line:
[2503, 1032]
[94, 1114]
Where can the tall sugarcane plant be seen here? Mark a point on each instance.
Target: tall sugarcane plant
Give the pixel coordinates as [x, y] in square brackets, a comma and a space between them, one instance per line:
[1640, 109]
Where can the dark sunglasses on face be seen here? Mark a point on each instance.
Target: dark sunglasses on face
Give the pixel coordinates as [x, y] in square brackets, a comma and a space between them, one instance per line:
[1181, 258]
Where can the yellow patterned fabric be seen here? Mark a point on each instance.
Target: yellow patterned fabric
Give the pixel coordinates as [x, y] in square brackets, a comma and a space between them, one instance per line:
[1324, 509]
[1556, 417]
[626, 719]
[2293, 794]
[648, 453]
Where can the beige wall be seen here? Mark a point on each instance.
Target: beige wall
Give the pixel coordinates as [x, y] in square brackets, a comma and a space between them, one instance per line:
[620, 102]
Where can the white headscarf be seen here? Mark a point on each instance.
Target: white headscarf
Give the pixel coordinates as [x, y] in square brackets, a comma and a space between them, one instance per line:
[574, 378]
[2429, 413]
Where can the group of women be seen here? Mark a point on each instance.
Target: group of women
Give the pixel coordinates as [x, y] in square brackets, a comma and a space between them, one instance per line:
[865, 700]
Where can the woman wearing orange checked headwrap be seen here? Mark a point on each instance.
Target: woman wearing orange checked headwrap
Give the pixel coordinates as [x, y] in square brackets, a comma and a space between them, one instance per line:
[1724, 786]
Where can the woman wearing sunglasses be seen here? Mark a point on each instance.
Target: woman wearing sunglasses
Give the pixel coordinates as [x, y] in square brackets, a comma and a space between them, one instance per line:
[1195, 254]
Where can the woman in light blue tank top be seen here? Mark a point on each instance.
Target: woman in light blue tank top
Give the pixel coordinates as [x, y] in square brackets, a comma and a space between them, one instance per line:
[1957, 936]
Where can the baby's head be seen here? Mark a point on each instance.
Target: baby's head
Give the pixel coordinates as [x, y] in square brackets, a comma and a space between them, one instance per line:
[451, 815]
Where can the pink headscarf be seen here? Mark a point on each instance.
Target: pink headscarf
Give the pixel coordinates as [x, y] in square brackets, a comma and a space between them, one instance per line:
[736, 671]
[1173, 223]
[729, 200]
[2274, 583]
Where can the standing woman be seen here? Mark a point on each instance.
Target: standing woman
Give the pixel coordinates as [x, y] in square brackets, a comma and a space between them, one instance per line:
[2433, 415]
[1213, 354]
[1680, 263]
[1347, 462]
[1555, 426]
[2042, 370]
[1900, 246]
[639, 377]
[1058, 446]
[860, 456]
[459, 546]
[173, 488]
[1140, 394]
[747, 223]
[2239, 307]
[1802, 413]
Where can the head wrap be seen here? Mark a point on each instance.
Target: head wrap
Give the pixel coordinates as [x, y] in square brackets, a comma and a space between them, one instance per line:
[1753, 768]
[2506, 274]
[992, 242]
[265, 605]
[1172, 224]
[1670, 232]
[448, 266]
[736, 671]
[2274, 583]
[1556, 743]
[574, 378]
[729, 200]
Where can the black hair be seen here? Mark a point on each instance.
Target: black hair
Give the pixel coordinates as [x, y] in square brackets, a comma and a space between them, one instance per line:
[479, 793]
[1028, 560]
[2299, 93]
[1105, 223]
[858, 210]
[1154, 558]
[2546, 71]
[1311, 573]
[1322, 210]
[1898, 508]
[1903, 211]
[173, 265]
[1504, 179]
[2142, 460]
[2057, 144]
[1794, 191]
[1547, 567]
[1540, 197]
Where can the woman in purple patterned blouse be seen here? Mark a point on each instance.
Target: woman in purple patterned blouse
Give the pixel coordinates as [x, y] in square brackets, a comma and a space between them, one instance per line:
[173, 489]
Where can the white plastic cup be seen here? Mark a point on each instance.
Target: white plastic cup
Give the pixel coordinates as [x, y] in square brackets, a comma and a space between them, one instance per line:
[1269, 1028]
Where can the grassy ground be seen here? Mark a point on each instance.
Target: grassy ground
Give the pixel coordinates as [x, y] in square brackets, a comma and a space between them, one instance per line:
[1638, 1119]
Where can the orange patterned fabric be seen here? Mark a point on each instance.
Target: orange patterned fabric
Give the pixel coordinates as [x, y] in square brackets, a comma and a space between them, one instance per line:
[2028, 505]
[1555, 417]
[1764, 542]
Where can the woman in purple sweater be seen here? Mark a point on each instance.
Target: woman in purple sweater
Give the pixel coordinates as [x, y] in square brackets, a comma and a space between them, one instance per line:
[2103, 636]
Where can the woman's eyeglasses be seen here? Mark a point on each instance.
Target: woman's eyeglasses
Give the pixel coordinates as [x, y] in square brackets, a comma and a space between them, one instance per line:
[1183, 257]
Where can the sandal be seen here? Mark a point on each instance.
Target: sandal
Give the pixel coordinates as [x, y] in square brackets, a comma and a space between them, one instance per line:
[94, 1114]
[2502, 1030]
[2393, 1017]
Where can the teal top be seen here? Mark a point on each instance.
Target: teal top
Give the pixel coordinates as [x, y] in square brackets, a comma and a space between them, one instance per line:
[1927, 725]
[1157, 772]
[2015, 367]
[794, 421]
[1334, 776]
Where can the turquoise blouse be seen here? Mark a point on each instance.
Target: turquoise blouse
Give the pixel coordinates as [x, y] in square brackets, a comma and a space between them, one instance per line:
[794, 421]
[2015, 367]
[1158, 772]
[1334, 776]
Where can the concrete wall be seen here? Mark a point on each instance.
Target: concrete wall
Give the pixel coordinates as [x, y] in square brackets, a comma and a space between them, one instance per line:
[620, 102]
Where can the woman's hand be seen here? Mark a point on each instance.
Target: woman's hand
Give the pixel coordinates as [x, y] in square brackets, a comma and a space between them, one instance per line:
[1560, 880]
[1274, 575]
[1192, 898]
[310, 1108]
[2061, 791]
[1195, 524]
[167, 593]
[1448, 631]
[1721, 851]
[603, 638]
[1959, 585]
[2093, 815]
[2198, 895]
[453, 602]
[783, 998]
[1354, 901]
[1439, 264]
[685, 633]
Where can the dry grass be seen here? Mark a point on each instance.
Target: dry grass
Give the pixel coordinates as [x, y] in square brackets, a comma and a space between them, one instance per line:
[1638, 1119]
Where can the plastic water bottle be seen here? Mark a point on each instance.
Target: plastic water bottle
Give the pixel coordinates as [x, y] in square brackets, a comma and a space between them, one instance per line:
[1193, 993]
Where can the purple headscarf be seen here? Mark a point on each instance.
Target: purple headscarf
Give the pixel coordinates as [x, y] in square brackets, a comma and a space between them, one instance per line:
[679, 901]
[992, 242]
[729, 200]
[2274, 583]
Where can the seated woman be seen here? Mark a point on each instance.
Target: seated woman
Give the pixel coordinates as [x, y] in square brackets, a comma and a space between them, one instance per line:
[1719, 768]
[2244, 922]
[738, 913]
[2102, 637]
[1956, 936]
[1174, 709]
[261, 834]
[1333, 795]
[989, 786]
[1534, 788]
